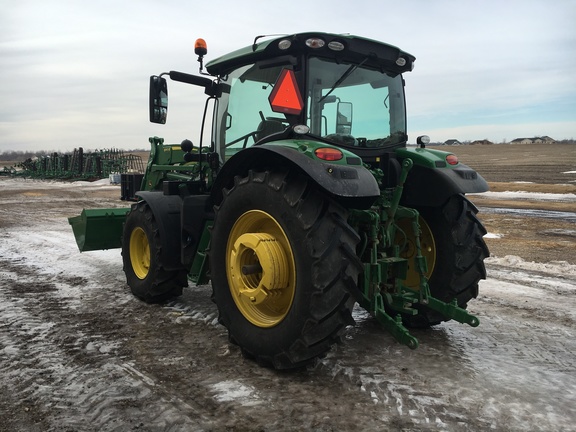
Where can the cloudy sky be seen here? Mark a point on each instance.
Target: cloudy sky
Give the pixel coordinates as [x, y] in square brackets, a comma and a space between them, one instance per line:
[75, 72]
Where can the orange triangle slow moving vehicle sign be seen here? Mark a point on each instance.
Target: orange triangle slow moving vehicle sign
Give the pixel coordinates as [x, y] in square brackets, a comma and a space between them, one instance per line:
[285, 97]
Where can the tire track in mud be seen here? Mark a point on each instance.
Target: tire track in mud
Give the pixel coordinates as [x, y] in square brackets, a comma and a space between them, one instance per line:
[524, 347]
[97, 353]
[516, 371]
[410, 390]
[66, 377]
[531, 314]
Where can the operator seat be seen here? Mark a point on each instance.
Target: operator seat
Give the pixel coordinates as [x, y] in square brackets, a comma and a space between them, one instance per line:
[268, 127]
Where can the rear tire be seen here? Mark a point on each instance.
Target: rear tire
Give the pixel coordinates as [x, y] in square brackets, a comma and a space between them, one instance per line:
[143, 266]
[459, 251]
[312, 269]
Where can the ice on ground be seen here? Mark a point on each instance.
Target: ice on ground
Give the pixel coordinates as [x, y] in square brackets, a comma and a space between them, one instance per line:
[533, 196]
[234, 390]
[24, 183]
[493, 235]
[553, 267]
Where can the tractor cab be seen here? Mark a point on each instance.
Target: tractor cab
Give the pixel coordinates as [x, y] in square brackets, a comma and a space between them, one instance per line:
[340, 90]
[347, 91]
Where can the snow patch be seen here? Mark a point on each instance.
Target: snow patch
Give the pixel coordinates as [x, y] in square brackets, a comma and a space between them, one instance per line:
[552, 267]
[182, 313]
[235, 391]
[135, 373]
[533, 196]
[560, 232]
[493, 235]
[36, 184]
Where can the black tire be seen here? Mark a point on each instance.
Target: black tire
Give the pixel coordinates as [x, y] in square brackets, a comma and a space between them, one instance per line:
[459, 250]
[320, 263]
[145, 272]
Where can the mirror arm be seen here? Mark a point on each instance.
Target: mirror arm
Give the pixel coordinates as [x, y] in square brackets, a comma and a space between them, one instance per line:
[207, 83]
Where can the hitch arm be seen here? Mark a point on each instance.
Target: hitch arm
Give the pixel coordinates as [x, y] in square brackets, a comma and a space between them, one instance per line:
[394, 326]
[453, 311]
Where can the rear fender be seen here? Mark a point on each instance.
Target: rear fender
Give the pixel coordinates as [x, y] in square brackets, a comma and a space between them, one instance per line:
[166, 210]
[433, 186]
[351, 185]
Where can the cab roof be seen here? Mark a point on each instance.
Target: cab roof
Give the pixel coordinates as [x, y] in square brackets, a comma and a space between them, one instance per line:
[342, 47]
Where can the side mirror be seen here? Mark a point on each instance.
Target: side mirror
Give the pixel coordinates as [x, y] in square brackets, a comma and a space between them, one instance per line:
[158, 102]
[344, 118]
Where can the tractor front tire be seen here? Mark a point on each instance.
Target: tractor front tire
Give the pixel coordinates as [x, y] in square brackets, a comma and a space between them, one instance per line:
[452, 240]
[282, 266]
[145, 272]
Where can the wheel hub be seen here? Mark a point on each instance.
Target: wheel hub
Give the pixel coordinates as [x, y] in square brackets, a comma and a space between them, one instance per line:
[260, 269]
[427, 248]
[259, 265]
[139, 253]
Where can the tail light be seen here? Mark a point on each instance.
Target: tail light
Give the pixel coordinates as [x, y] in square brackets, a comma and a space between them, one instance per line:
[328, 154]
[452, 159]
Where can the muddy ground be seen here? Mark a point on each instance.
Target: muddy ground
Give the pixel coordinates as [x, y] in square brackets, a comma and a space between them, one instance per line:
[79, 353]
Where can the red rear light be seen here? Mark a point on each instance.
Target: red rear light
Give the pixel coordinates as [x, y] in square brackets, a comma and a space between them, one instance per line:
[328, 154]
[452, 159]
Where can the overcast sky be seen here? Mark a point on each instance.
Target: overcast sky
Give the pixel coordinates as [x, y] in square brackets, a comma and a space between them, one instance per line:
[75, 73]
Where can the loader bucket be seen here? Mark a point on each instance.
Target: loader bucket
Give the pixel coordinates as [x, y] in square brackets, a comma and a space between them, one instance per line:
[97, 229]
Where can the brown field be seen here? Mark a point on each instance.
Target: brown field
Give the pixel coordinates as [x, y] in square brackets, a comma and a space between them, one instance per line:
[536, 163]
[538, 168]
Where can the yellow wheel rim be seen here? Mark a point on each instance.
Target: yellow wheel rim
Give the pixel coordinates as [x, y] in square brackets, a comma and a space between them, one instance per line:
[260, 268]
[407, 242]
[140, 253]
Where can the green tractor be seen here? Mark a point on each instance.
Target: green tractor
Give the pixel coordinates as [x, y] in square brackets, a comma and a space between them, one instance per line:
[304, 201]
